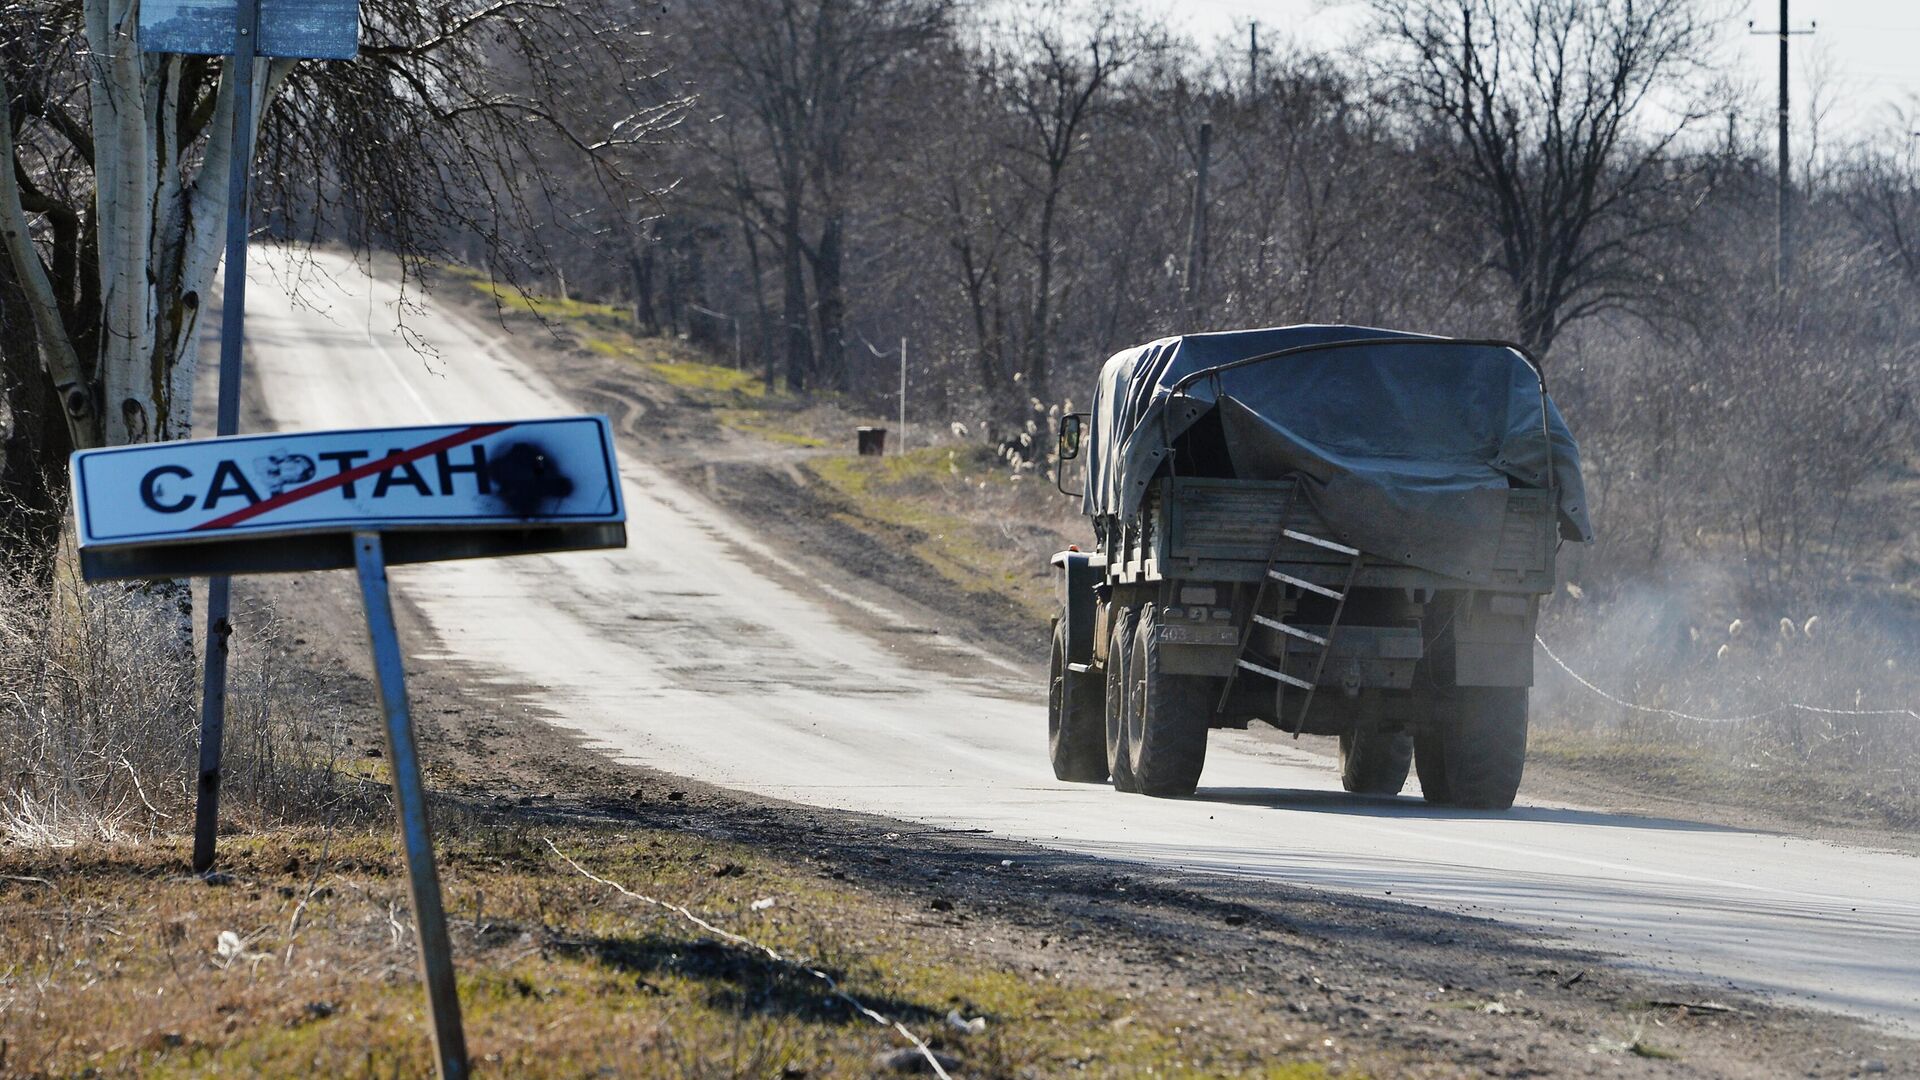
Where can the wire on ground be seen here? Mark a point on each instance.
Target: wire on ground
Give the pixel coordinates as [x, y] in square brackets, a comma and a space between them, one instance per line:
[833, 986]
[1676, 714]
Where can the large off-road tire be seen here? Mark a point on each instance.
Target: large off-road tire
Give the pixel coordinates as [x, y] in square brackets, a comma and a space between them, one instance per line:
[1375, 762]
[1076, 734]
[1474, 750]
[1166, 718]
[1119, 668]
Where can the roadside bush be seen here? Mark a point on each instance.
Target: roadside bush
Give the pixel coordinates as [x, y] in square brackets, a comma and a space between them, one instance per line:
[99, 719]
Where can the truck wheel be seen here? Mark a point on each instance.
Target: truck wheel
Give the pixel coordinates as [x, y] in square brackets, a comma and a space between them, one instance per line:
[1475, 749]
[1119, 667]
[1166, 718]
[1075, 736]
[1375, 762]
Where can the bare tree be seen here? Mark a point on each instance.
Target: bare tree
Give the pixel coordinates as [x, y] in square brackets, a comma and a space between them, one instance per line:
[997, 183]
[33, 438]
[1558, 122]
[803, 72]
[1882, 196]
[1054, 80]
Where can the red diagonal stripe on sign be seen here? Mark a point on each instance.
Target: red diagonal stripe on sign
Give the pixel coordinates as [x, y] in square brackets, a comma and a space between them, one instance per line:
[358, 472]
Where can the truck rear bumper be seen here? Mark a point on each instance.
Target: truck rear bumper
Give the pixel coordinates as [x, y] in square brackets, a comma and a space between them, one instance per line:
[1362, 656]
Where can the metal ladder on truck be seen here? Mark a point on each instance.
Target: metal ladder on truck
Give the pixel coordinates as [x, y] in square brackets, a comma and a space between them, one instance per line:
[1245, 660]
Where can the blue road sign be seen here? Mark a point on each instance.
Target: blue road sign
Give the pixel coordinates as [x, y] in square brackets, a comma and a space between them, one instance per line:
[298, 29]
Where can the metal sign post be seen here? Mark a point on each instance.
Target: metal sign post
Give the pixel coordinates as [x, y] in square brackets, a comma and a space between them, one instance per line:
[334, 499]
[240, 30]
[233, 306]
[429, 916]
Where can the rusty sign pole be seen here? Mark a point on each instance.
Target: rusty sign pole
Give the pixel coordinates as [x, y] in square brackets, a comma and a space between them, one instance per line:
[233, 303]
[409, 792]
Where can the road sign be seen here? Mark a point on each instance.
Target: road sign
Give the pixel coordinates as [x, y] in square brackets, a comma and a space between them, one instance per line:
[295, 29]
[320, 500]
[287, 502]
[292, 527]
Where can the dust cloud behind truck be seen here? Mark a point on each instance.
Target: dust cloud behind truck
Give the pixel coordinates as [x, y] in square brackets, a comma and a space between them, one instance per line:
[1335, 530]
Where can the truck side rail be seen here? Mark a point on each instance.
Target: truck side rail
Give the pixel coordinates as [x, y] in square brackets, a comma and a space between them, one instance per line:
[1223, 529]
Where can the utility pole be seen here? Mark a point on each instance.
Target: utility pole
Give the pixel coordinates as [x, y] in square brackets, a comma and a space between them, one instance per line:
[1195, 283]
[1783, 252]
[1253, 62]
[903, 393]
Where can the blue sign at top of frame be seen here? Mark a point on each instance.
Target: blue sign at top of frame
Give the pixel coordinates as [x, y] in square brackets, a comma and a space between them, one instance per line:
[302, 29]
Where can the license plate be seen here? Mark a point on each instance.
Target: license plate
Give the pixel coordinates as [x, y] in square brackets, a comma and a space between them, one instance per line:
[1178, 634]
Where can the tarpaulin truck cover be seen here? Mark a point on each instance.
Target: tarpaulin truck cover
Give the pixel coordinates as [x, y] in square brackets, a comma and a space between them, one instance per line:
[1407, 447]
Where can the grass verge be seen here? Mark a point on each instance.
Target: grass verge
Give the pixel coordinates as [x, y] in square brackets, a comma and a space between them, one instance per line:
[1834, 786]
[955, 509]
[301, 963]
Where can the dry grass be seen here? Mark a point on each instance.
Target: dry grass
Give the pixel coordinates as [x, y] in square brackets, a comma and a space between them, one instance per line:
[110, 964]
[99, 693]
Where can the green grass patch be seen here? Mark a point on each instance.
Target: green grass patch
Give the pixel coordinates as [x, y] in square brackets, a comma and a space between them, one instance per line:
[607, 329]
[1664, 760]
[551, 307]
[765, 424]
[707, 380]
[920, 468]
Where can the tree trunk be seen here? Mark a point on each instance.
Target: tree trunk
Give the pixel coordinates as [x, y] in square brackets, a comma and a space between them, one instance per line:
[1536, 326]
[794, 301]
[34, 443]
[124, 188]
[761, 315]
[674, 297]
[641, 265]
[829, 287]
[1040, 328]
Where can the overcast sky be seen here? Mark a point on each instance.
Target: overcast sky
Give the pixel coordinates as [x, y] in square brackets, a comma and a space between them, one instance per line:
[1867, 50]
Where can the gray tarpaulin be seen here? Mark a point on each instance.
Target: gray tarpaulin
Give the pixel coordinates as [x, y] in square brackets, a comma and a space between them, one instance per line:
[1407, 450]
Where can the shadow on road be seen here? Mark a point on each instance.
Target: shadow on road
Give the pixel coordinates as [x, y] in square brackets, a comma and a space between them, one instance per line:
[1404, 806]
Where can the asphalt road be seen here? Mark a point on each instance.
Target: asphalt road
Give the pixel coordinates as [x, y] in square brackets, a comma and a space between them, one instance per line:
[699, 651]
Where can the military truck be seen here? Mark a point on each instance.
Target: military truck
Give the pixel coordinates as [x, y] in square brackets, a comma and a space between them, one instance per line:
[1335, 530]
